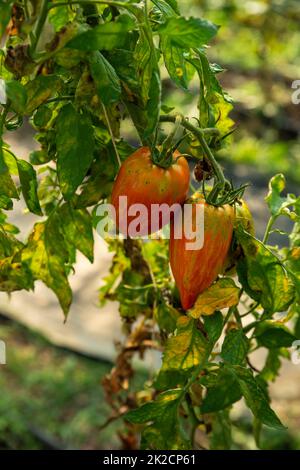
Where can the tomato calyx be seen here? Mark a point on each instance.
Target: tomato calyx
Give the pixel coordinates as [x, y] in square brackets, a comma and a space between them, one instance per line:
[162, 155]
[220, 197]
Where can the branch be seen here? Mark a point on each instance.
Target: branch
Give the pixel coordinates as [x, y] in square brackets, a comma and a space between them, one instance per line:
[39, 26]
[199, 133]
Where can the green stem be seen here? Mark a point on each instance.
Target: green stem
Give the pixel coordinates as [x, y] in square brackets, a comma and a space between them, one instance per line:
[229, 313]
[200, 136]
[237, 317]
[268, 229]
[251, 310]
[26, 10]
[249, 327]
[60, 98]
[112, 135]
[37, 30]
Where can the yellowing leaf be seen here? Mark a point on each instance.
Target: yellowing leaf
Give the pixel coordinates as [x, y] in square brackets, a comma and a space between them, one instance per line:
[185, 350]
[224, 293]
[46, 257]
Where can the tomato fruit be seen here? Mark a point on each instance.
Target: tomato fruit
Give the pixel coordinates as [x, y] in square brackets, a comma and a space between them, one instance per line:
[195, 270]
[144, 182]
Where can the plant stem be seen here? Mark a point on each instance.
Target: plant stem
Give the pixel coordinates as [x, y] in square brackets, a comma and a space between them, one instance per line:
[112, 135]
[60, 98]
[39, 26]
[250, 326]
[268, 228]
[200, 136]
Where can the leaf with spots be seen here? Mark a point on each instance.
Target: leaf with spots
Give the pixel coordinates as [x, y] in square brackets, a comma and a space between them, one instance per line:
[263, 276]
[46, 256]
[185, 350]
[75, 147]
[223, 293]
[165, 431]
[29, 186]
[76, 226]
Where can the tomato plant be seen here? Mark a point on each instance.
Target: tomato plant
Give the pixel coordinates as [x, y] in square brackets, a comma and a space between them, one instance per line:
[78, 70]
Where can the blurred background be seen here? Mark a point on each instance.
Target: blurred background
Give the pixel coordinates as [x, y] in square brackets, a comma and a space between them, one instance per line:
[51, 394]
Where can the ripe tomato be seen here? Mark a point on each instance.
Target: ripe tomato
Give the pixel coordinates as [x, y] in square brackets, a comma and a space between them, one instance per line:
[145, 183]
[195, 270]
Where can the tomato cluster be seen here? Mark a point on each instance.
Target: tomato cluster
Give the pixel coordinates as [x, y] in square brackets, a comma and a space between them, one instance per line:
[144, 182]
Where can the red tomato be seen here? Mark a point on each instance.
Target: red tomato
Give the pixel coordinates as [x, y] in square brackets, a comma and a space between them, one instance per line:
[195, 270]
[144, 182]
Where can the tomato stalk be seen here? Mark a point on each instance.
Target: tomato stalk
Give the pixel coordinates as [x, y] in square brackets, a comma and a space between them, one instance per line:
[163, 156]
[200, 136]
[39, 26]
[222, 192]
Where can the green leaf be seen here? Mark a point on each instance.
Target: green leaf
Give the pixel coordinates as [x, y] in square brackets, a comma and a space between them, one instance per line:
[39, 157]
[188, 33]
[263, 276]
[75, 147]
[222, 294]
[9, 245]
[3, 167]
[105, 36]
[6, 203]
[174, 62]
[166, 316]
[221, 431]
[272, 366]
[256, 397]
[17, 95]
[5, 12]
[14, 275]
[149, 93]
[29, 186]
[106, 80]
[271, 334]
[7, 186]
[224, 392]
[141, 92]
[165, 431]
[186, 350]
[46, 256]
[278, 205]
[42, 116]
[167, 8]
[235, 347]
[76, 225]
[214, 105]
[10, 161]
[40, 90]
[59, 17]
[213, 325]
